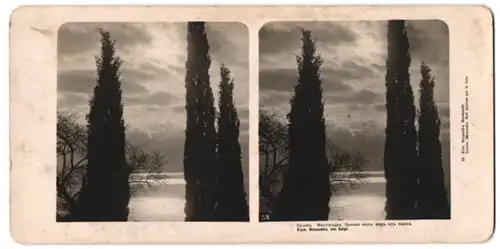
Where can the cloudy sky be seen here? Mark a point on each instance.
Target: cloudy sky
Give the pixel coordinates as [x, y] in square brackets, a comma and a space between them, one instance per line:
[353, 72]
[154, 56]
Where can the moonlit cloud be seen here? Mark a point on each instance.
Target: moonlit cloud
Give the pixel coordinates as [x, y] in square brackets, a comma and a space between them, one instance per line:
[353, 74]
[152, 76]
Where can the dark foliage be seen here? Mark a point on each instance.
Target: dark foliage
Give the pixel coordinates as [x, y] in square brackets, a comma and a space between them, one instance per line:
[432, 198]
[306, 188]
[231, 198]
[72, 165]
[345, 166]
[200, 157]
[400, 144]
[105, 191]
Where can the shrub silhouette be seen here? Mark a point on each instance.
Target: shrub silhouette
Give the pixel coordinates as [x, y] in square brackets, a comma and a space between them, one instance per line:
[200, 158]
[105, 191]
[231, 201]
[72, 166]
[306, 188]
[432, 198]
[400, 145]
[345, 166]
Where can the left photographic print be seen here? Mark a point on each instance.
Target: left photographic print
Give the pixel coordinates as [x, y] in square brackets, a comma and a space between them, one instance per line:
[152, 122]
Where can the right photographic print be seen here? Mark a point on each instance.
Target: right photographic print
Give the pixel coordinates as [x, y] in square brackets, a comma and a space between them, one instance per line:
[354, 120]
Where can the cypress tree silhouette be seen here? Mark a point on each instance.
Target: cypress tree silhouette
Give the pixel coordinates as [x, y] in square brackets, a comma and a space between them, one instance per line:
[306, 188]
[232, 204]
[200, 156]
[400, 144]
[105, 190]
[432, 201]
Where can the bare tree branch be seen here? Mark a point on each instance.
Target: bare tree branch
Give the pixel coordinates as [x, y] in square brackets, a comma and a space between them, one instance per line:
[72, 153]
[345, 166]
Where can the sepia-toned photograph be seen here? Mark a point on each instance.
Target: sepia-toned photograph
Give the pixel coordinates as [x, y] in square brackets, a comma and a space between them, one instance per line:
[354, 120]
[251, 124]
[152, 122]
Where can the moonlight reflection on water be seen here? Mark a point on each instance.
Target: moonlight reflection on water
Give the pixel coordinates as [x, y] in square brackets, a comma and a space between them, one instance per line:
[164, 201]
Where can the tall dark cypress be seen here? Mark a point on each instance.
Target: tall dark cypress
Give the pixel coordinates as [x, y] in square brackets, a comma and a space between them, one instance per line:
[200, 145]
[400, 144]
[105, 192]
[306, 188]
[231, 202]
[432, 201]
